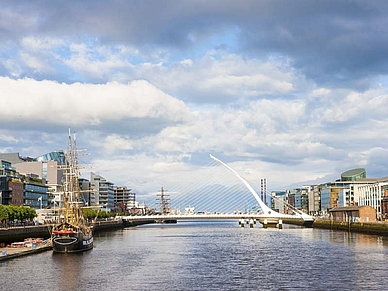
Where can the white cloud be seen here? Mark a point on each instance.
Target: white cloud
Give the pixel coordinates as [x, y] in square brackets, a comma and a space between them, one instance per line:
[86, 104]
[225, 77]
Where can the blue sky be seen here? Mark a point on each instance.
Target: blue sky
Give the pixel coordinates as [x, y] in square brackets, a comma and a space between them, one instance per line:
[291, 91]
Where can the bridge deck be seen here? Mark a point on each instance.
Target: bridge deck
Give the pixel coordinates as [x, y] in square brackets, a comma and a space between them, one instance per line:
[257, 216]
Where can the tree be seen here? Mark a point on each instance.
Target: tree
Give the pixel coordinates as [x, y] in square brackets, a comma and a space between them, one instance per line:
[12, 212]
[3, 213]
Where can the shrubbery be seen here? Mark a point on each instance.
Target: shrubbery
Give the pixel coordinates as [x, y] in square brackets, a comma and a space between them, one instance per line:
[12, 213]
[91, 213]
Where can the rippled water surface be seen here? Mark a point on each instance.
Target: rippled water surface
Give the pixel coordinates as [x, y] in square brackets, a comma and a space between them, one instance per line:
[217, 255]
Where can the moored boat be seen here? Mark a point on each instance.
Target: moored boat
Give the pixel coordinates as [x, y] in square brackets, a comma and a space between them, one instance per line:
[67, 238]
[72, 233]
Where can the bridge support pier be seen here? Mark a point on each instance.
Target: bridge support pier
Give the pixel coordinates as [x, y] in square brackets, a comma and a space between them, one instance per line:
[271, 222]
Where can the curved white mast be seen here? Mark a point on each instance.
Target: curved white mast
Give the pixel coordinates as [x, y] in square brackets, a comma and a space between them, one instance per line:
[263, 206]
[267, 211]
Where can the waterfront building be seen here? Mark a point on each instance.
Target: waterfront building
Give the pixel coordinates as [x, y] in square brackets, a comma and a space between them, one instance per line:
[14, 158]
[353, 214]
[10, 184]
[17, 192]
[50, 171]
[372, 194]
[48, 167]
[384, 206]
[86, 191]
[353, 175]
[343, 192]
[279, 201]
[314, 200]
[291, 199]
[102, 192]
[20, 189]
[36, 192]
[124, 199]
[298, 198]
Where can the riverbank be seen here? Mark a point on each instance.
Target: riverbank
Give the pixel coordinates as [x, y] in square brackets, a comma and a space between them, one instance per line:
[20, 233]
[8, 252]
[376, 228]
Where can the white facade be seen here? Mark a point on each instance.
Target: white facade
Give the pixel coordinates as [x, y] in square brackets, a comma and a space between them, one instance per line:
[371, 194]
[314, 200]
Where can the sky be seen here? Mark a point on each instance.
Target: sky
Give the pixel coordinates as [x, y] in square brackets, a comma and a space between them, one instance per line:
[295, 92]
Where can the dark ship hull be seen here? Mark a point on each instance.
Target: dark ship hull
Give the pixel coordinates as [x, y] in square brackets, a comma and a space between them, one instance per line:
[71, 241]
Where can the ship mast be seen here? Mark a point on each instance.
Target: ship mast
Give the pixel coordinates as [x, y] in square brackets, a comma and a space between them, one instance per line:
[164, 209]
[71, 187]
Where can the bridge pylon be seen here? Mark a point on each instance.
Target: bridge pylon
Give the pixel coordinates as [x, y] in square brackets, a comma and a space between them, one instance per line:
[272, 217]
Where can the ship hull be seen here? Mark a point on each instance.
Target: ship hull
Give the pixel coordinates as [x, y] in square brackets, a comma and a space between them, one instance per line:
[72, 243]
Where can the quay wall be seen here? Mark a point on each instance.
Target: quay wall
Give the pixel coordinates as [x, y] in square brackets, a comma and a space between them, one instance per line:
[14, 234]
[376, 228]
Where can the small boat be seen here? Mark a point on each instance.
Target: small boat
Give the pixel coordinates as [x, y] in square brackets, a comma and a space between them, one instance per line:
[72, 233]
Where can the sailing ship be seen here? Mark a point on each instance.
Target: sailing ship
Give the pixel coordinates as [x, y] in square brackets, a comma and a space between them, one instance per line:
[72, 233]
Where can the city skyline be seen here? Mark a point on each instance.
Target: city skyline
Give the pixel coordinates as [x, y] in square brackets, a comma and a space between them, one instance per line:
[294, 93]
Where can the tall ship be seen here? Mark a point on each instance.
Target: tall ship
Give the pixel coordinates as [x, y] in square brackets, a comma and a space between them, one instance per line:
[71, 233]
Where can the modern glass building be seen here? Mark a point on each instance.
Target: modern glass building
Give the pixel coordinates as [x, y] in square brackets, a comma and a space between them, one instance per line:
[353, 175]
[102, 192]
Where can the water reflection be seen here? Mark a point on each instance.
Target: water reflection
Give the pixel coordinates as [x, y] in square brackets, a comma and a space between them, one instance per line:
[68, 268]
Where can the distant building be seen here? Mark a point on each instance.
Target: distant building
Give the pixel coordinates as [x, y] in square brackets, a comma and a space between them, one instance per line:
[372, 193]
[14, 158]
[49, 167]
[384, 206]
[279, 203]
[50, 171]
[314, 200]
[353, 175]
[86, 191]
[353, 214]
[102, 192]
[17, 192]
[124, 199]
[36, 192]
[10, 181]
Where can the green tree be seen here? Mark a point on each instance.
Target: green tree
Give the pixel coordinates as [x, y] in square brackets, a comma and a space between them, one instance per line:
[89, 213]
[30, 213]
[12, 212]
[3, 212]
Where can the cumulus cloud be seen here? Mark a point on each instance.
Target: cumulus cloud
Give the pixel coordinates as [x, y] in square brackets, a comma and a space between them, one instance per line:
[86, 104]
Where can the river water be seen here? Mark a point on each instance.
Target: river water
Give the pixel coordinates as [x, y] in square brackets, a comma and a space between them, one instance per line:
[212, 255]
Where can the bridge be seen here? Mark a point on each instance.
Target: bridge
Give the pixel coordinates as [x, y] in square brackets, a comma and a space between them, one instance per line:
[266, 215]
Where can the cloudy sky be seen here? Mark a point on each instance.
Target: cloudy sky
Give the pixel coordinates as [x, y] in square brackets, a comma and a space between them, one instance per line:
[292, 91]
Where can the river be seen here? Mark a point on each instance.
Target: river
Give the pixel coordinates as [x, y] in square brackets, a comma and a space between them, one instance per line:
[211, 255]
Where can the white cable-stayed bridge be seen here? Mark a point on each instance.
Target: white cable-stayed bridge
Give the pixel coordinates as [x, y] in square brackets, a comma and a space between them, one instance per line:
[216, 191]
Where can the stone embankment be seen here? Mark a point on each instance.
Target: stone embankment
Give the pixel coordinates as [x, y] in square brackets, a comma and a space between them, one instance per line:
[11, 252]
[12, 234]
[376, 228]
